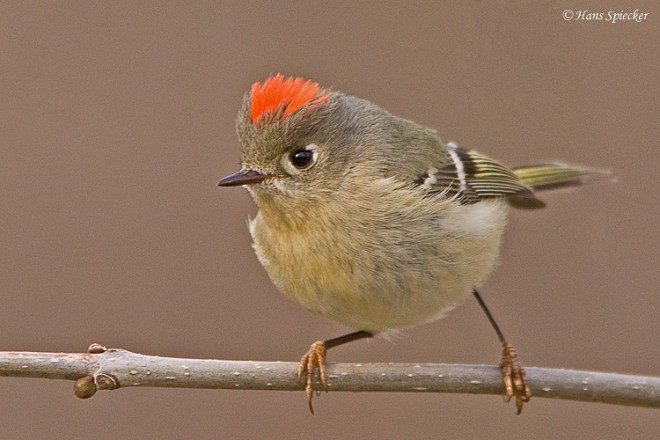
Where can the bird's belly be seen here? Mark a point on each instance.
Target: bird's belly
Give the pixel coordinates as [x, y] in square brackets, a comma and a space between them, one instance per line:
[377, 287]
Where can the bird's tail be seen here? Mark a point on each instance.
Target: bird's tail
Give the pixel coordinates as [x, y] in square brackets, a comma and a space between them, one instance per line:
[550, 176]
[554, 175]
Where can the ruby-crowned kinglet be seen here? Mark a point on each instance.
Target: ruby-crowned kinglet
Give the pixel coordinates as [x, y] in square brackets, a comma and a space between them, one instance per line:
[370, 219]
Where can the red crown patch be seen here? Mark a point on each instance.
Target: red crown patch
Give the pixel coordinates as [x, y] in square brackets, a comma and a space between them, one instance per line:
[286, 95]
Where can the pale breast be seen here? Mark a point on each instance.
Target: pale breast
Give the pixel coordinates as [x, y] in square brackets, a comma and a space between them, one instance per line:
[382, 269]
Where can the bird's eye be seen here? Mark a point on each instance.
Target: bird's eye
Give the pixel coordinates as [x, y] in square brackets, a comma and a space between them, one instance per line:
[302, 159]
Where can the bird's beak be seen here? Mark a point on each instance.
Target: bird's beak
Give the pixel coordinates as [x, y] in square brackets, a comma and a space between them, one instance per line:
[244, 177]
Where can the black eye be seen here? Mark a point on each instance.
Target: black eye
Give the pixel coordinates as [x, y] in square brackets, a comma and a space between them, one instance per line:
[302, 158]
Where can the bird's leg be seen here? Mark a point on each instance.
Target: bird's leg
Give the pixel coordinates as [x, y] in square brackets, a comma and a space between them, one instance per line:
[315, 360]
[513, 374]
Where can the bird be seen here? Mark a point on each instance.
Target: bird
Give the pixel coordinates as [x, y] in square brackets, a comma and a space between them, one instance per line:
[371, 219]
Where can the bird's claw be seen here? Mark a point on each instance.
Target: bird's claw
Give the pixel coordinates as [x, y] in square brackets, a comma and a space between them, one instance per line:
[314, 360]
[513, 374]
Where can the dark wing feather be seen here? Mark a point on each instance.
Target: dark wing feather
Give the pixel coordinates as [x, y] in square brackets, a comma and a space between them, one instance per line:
[470, 177]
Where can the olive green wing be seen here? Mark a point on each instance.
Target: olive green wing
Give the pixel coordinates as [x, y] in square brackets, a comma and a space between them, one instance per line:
[470, 177]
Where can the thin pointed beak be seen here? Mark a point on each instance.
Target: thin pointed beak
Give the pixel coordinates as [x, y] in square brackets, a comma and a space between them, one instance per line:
[244, 177]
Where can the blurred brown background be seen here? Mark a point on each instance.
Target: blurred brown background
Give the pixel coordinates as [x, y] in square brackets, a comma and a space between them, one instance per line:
[116, 121]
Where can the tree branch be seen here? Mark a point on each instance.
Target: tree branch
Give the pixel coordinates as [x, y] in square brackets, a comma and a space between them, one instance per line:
[108, 369]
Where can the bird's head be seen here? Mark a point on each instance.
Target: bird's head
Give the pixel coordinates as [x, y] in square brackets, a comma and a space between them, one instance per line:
[287, 139]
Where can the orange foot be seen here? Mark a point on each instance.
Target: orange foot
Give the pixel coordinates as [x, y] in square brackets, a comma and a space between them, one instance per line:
[515, 381]
[314, 360]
